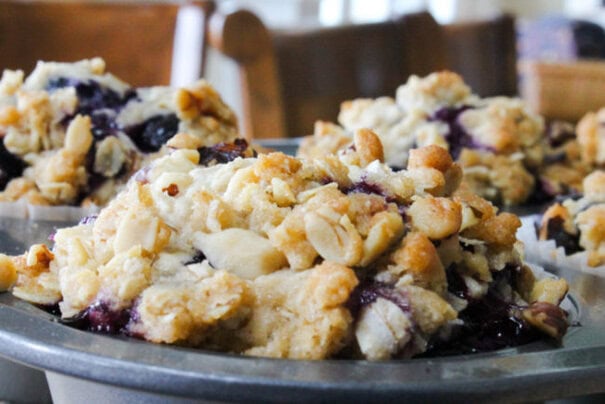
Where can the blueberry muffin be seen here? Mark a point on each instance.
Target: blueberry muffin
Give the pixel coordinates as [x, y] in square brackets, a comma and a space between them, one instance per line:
[270, 255]
[571, 152]
[497, 141]
[72, 134]
[577, 224]
[563, 168]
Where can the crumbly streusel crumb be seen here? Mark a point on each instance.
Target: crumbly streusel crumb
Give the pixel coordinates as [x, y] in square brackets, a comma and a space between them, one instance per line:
[76, 133]
[500, 144]
[286, 257]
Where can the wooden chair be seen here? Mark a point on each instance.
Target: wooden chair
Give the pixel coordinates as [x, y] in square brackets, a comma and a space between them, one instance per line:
[292, 78]
[135, 38]
[484, 53]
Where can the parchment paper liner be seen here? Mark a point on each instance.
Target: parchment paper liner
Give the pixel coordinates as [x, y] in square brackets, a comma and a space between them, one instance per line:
[24, 210]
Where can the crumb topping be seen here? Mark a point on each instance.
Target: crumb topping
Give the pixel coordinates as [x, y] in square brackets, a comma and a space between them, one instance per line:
[72, 134]
[272, 255]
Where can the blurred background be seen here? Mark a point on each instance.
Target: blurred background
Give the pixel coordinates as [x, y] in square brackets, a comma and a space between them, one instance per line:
[558, 45]
[562, 32]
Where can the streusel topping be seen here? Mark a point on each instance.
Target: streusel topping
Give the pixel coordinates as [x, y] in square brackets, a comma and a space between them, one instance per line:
[497, 141]
[272, 255]
[71, 133]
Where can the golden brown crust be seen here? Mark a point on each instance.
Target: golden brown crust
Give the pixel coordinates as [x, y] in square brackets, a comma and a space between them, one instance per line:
[430, 156]
[418, 257]
[498, 231]
[8, 273]
[588, 138]
[272, 256]
[438, 218]
[368, 146]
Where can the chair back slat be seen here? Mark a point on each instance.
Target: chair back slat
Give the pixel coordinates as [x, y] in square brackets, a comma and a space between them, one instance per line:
[134, 38]
[292, 78]
[485, 54]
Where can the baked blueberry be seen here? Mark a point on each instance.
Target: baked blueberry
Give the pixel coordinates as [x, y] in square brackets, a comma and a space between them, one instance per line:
[152, 134]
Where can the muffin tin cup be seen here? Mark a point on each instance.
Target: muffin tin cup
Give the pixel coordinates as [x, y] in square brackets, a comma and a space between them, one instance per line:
[22, 384]
[84, 366]
[70, 390]
[19, 383]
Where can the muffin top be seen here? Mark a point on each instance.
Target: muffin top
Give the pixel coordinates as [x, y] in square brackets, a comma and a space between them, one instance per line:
[507, 154]
[272, 255]
[72, 133]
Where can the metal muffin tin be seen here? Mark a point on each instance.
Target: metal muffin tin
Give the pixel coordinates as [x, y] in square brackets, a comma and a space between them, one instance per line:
[19, 383]
[82, 366]
[129, 370]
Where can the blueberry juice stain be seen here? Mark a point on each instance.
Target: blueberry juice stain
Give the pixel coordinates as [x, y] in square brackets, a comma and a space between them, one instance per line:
[100, 317]
[489, 323]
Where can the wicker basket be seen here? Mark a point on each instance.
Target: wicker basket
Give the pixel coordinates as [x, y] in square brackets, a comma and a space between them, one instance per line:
[563, 90]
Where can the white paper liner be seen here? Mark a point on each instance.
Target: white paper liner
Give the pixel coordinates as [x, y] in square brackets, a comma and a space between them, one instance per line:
[16, 210]
[546, 253]
[539, 271]
[24, 210]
